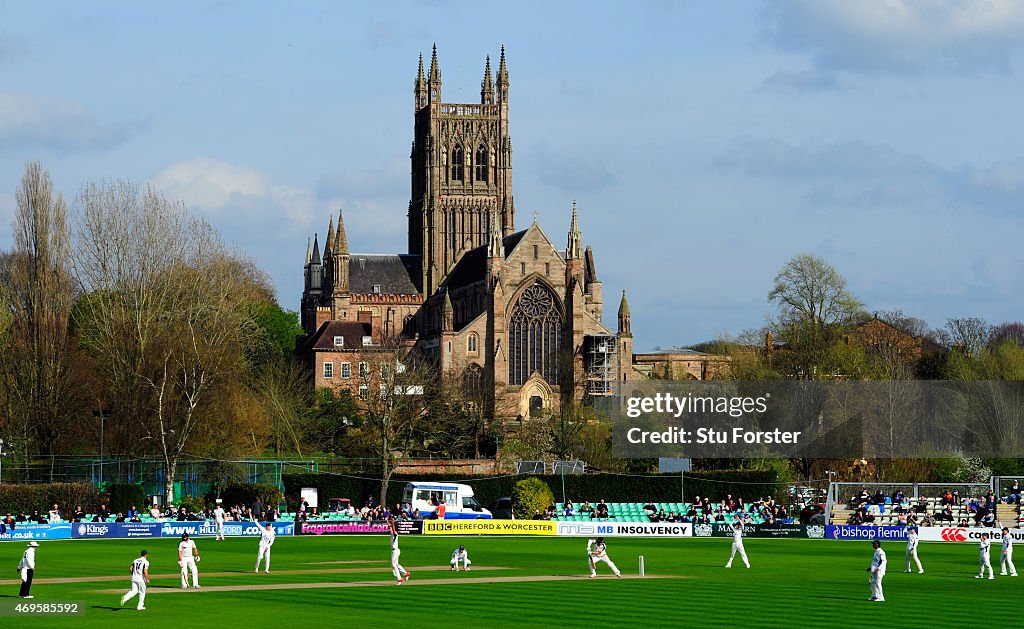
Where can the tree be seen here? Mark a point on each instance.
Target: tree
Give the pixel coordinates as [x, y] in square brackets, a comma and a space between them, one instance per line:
[1007, 333]
[36, 387]
[393, 393]
[810, 291]
[970, 334]
[165, 318]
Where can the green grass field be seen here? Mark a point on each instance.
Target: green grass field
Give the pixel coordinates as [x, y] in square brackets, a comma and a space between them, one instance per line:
[522, 581]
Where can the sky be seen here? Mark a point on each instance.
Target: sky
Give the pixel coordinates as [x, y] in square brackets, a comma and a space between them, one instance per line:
[706, 143]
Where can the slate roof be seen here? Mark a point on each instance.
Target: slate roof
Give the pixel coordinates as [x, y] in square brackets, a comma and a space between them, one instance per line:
[323, 339]
[395, 274]
[472, 266]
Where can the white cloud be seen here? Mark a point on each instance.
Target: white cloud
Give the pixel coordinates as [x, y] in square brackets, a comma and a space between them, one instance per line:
[900, 35]
[37, 122]
[210, 184]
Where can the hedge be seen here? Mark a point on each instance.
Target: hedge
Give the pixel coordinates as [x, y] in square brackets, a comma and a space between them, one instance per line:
[41, 497]
[748, 484]
[246, 494]
[123, 496]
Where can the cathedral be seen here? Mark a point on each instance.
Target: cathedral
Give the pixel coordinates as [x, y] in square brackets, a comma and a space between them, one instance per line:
[503, 311]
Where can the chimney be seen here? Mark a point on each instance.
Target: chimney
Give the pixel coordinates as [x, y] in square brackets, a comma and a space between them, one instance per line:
[323, 315]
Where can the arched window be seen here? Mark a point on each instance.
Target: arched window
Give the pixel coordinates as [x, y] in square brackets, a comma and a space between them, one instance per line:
[481, 164]
[457, 162]
[534, 335]
[471, 344]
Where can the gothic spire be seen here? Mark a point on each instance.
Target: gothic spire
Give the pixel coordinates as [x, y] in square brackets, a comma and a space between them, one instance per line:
[624, 323]
[574, 247]
[316, 251]
[435, 69]
[421, 79]
[487, 86]
[329, 243]
[340, 239]
[448, 313]
[495, 244]
[309, 250]
[502, 70]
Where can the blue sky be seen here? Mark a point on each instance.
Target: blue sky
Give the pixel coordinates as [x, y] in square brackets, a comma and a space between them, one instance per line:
[705, 142]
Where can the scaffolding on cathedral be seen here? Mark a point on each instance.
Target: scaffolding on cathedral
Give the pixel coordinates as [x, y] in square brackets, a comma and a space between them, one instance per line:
[600, 363]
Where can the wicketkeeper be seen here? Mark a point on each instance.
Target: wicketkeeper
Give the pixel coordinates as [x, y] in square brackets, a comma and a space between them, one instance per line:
[462, 555]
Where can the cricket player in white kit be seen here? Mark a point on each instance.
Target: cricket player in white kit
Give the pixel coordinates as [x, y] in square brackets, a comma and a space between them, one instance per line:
[140, 578]
[876, 572]
[396, 568]
[984, 558]
[218, 518]
[597, 551]
[1006, 558]
[267, 536]
[188, 556]
[737, 545]
[462, 555]
[912, 541]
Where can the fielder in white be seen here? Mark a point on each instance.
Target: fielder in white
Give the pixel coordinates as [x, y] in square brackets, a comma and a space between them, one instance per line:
[984, 558]
[462, 555]
[912, 541]
[219, 517]
[737, 545]
[876, 572]
[140, 578]
[267, 536]
[1006, 558]
[396, 568]
[597, 551]
[188, 557]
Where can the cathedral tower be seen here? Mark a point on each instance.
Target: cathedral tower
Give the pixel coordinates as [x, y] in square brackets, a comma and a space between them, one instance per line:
[461, 171]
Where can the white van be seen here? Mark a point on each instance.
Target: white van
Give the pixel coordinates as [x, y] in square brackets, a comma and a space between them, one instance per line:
[459, 503]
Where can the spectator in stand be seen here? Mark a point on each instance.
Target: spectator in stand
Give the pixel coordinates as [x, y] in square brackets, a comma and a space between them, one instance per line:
[671, 517]
[370, 502]
[989, 520]
[78, 515]
[862, 497]
[963, 523]
[132, 512]
[956, 497]
[980, 513]
[537, 515]
[729, 503]
[650, 508]
[586, 509]
[902, 520]
[9, 521]
[136, 517]
[922, 505]
[568, 509]
[879, 497]
[946, 515]
[947, 498]
[719, 516]
[1014, 497]
[990, 501]
[21, 517]
[739, 505]
[55, 514]
[119, 518]
[104, 512]
[36, 518]
[155, 513]
[928, 521]
[911, 519]
[602, 510]
[551, 510]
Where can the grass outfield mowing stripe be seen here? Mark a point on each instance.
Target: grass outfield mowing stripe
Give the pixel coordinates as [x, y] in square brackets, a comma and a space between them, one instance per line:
[793, 583]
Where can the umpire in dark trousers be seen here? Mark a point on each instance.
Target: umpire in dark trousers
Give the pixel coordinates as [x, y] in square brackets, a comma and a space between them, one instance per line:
[27, 567]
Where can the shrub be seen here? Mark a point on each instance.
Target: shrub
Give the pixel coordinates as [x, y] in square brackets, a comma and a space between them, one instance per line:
[42, 496]
[195, 504]
[122, 496]
[531, 495]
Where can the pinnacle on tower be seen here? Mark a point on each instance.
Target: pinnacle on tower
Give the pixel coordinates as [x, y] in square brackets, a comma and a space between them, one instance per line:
[502, 70]
[421, 79]
[574, 247]
[329, 243]
[623, 305]
[340, 239]
[435, 69]
[495, 243]
[316, 251]
[487, 86]
[309, 250]
[624, 326]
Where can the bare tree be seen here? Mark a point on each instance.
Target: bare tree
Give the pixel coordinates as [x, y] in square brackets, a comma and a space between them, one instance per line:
[162, 314]
[1008, 333]
[969, 334]
[393, 391]
[38, 393]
